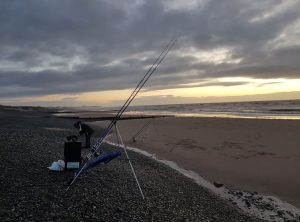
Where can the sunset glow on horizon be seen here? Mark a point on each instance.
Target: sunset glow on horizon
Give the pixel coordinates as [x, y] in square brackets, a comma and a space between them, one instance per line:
[252, 87]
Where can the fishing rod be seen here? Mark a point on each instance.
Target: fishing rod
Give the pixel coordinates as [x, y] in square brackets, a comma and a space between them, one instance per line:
[126, 104]
[134, 93]
[137, 89]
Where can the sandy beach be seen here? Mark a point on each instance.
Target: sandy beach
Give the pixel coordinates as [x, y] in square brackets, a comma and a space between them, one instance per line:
[248, 154]
[31, 141]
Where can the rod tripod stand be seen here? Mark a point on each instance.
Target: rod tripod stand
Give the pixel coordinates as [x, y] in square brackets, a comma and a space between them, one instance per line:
[121, 144]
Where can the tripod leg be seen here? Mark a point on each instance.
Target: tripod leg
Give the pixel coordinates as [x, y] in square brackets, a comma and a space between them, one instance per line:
[131, 166]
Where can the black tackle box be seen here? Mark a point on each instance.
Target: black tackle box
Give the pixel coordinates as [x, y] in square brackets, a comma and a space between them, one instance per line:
[72, 154]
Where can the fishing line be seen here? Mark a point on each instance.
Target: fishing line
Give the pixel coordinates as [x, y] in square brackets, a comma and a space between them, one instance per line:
[142, 129]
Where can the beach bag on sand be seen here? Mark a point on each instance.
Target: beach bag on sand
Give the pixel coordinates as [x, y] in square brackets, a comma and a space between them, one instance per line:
[57, 166]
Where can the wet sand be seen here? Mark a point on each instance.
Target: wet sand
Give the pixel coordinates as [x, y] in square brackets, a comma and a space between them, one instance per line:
[248, 154]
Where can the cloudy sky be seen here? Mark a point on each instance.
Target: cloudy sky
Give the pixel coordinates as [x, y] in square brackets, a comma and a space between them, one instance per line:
[72, 52]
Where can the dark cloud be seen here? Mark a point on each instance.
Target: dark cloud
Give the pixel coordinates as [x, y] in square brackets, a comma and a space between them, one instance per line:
[73, 46]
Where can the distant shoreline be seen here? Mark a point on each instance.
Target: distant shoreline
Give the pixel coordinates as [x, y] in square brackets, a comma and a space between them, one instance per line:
[250, 110]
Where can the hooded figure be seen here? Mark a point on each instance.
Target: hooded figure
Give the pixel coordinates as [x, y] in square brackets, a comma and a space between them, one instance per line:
[86, 130]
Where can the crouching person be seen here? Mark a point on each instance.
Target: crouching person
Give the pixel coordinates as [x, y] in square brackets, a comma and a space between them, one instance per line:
[86, 130]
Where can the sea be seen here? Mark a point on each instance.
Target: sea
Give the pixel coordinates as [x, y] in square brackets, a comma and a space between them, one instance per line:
[279, 109]
[283, 109]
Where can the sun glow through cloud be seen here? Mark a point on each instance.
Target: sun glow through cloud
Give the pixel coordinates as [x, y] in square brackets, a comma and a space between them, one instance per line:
[252, 87]
[113, 97]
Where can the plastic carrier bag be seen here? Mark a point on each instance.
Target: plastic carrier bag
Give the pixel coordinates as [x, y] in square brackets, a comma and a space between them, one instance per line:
[57, 166]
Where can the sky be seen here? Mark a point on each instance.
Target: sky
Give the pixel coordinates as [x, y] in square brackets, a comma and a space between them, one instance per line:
[93, 53]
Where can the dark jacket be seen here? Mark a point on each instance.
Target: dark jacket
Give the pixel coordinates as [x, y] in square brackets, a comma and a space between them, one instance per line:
[83, 128]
